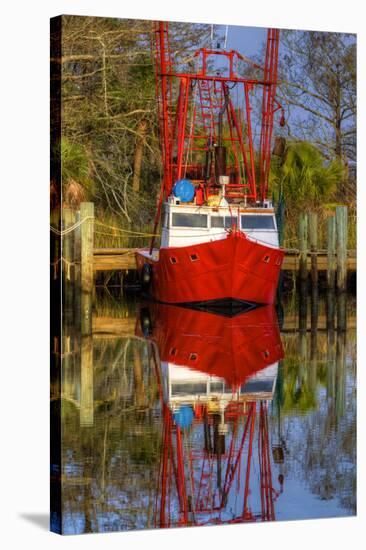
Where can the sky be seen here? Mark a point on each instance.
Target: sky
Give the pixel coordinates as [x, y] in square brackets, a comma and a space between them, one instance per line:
[246, 40]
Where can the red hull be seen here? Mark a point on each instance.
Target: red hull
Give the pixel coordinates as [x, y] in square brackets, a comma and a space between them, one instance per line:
[234, 268]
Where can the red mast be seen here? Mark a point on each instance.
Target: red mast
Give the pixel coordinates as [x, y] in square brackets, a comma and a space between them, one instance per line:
[269, 106]
[163, 68]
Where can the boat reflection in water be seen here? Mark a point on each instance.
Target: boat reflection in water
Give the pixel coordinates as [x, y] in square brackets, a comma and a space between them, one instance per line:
[216, 377]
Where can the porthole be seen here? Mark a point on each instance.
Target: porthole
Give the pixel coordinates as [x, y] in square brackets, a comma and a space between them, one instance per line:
[194, 257]
[173, 260]
[266, 259]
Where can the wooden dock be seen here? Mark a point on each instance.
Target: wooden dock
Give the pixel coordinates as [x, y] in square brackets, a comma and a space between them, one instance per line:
[123, 259]
[110, 327]
[114, 259]
[121, 326]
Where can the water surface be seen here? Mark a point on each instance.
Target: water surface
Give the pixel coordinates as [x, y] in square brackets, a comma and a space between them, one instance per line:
[174, 418]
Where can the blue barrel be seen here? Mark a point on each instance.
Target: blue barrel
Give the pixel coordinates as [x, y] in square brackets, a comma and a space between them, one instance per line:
[184, 190]
[183, 417]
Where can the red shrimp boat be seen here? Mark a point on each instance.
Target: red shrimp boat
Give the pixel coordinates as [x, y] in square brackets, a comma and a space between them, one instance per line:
[219, 236]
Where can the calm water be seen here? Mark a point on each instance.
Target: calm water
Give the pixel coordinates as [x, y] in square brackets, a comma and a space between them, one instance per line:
[172, 417]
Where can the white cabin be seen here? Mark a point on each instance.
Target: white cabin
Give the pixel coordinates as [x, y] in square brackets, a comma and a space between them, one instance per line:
[189, 224]
[183, 385]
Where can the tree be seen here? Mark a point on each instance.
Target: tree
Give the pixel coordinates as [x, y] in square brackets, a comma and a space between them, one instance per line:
[109, 107]
[318, 84]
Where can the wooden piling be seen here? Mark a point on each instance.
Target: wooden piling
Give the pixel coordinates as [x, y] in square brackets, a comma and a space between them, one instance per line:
[314, 309]
[55, 275]
[313, 238]
[313, 363]
[340, 375]
[87, 278]
[77, 277]
[341, 312]
[87, 383]
[303, 350]
[341, 231]
[303, 306]
[77, 240]
[330, 310]
[67, 248]
[303, 232]
[331, 248]
[331, 366]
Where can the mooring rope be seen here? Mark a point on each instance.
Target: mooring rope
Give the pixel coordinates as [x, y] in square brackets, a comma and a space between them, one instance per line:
[129, 231]
[69, 229]
[63, 232]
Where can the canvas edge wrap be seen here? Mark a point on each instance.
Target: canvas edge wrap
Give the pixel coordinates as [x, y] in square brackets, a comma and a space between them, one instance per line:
[55, 275]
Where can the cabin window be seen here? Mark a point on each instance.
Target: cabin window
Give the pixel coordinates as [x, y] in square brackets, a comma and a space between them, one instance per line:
[181, 219]
[266, 259]
[257, 386]
[193, 356]
[223, 221]
[188, 388]
[173, 260]
[216, 387]
[194, 257]
[257, 222]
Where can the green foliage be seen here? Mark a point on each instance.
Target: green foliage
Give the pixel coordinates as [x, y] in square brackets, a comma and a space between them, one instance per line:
[76, 183]
[74, 162]
[306, 179]
[298, 393]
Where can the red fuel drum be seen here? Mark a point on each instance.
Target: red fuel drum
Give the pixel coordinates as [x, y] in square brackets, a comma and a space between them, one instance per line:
[200, 195]
[235, 268]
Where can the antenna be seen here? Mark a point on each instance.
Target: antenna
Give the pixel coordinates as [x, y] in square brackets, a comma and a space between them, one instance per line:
[226, 34]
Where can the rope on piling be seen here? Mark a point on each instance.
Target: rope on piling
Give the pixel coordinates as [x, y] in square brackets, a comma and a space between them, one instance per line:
[67, 264]
[63, 232]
